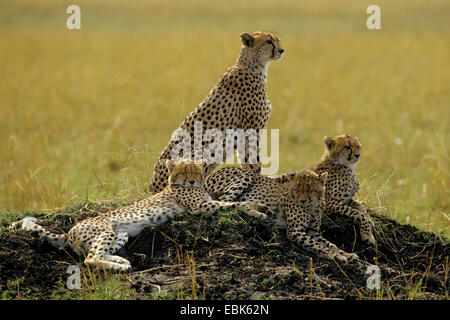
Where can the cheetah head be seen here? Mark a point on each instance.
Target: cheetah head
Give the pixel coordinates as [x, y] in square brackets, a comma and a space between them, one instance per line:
[185, 173]
[264, 46]
[343, 149]
[307, 186]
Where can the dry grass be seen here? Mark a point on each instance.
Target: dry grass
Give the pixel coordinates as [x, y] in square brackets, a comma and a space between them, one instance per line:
[85, 113]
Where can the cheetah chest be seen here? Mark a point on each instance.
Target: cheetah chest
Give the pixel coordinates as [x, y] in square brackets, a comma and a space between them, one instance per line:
[349, 186]
[268, 106]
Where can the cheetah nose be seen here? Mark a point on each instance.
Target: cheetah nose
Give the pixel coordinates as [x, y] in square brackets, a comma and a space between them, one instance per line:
[192, 182]
[303, 201]
[357, 156]
[281, 51]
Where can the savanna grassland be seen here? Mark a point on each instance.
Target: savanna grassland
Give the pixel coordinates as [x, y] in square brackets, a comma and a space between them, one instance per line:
[85, 113]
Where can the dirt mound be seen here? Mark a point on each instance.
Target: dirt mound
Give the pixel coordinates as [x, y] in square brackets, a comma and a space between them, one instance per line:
[231, 256]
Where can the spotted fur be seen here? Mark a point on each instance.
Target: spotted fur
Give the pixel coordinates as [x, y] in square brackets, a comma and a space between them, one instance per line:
[98, 238]
[238, 101]
[303, 205]
[339, 160]
[297, 200]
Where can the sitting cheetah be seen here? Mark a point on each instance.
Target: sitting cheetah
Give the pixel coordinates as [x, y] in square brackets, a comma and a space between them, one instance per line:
[339, 160]
[238, 101]
[297, 200]
[98, 238]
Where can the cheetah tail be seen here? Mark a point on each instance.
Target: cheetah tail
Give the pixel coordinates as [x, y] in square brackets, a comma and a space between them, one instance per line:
[29, 224]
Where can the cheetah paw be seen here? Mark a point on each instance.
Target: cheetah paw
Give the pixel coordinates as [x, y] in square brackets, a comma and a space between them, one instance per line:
[258, 214]
[339, 257]
[252, 209]
[108, 265]
[264, 209]
[351, 256]
[368, 238]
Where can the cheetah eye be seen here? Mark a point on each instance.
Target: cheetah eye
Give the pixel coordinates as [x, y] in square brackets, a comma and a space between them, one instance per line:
[270, 42]
[348, 147]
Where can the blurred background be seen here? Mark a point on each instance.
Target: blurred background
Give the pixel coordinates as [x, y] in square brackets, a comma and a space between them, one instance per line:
[85, 113]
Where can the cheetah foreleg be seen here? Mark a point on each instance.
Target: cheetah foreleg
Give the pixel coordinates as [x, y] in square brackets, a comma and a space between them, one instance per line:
[254, 209]
[318, 238]
[101, 249]
[121, 240]
[109, 262]
[358, 206]
[314, 245]
[358, 216]
[212, 206]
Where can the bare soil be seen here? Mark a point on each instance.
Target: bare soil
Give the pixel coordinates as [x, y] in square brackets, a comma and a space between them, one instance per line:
[231, 256]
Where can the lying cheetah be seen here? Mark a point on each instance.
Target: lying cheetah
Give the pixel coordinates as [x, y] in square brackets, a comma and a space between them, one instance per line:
[238, 101]
[98, 238]
[303, 206]
[297, 200]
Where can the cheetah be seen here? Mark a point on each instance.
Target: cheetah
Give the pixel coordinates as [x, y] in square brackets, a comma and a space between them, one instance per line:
[98, 238]
[339, 160]
[297, 201]
[238, 101]
[303, 206]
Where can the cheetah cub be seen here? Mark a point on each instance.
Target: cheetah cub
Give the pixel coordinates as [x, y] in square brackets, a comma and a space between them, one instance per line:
[296, 199]
[98, 238]
[340, 158]
[302, 205]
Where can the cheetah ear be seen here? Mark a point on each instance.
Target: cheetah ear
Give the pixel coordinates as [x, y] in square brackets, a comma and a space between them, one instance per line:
[170, 165]
[293, 189]
[209, 169]
[323, 177]
[329, 143]
[247, 39]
